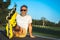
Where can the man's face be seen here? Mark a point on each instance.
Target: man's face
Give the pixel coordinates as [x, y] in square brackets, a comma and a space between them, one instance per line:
[23, 10]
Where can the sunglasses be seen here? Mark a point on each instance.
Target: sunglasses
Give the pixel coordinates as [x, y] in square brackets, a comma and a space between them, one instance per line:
[23, 10]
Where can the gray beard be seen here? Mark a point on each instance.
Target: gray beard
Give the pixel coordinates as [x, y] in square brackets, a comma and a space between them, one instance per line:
[23, 14]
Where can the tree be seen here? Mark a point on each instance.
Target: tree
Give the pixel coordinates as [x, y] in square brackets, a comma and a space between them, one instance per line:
[58, 24]
[43, 20]
[4, 10]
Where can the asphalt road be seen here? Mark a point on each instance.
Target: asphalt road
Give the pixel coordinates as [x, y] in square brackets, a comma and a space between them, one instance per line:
[3, 37]
[28, 38]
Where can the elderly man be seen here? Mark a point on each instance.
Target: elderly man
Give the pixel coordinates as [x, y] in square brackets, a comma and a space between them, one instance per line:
[24, 22]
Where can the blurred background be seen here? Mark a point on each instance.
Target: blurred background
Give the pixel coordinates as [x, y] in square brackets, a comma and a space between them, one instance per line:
[45, 15]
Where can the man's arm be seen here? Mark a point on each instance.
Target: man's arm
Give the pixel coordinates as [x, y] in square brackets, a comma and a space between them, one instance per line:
[30, 30]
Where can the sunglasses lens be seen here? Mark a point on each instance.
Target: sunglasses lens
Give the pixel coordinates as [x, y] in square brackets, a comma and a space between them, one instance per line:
[23, 10]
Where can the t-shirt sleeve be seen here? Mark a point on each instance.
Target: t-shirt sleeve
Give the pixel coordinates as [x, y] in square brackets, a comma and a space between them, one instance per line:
[30, 19]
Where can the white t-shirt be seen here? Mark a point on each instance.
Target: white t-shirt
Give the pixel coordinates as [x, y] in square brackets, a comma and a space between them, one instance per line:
[23, 21]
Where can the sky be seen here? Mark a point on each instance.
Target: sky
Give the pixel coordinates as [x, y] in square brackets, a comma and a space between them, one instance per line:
[50, 9]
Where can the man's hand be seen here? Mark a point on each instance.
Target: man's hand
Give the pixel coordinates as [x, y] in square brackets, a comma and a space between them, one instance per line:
[33, 36]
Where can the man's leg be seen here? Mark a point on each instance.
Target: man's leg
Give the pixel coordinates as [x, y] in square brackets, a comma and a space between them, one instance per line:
[19, 32]
[22, 33]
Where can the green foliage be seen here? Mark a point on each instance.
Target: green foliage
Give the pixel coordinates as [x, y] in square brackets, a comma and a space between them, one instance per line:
[4, 10]
[47, 23]
[47, 31]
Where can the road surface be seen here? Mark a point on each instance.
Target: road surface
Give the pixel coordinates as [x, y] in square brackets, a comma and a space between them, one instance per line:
[3, 37]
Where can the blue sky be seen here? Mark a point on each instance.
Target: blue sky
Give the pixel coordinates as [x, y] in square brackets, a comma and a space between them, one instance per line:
[50, 9]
